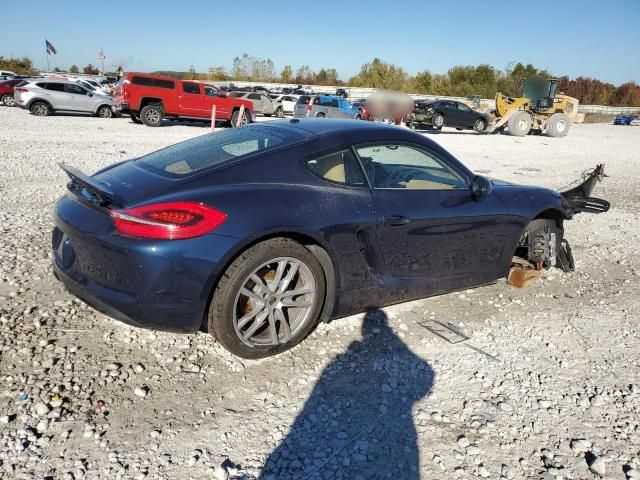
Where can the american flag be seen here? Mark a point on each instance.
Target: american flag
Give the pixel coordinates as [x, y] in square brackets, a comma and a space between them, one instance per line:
[50, 48]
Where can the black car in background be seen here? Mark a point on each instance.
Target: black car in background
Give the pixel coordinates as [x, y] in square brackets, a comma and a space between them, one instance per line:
[450, 113]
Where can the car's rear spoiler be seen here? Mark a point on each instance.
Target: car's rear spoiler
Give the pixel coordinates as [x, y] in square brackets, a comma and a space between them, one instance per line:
[579, 197]
[80, 180]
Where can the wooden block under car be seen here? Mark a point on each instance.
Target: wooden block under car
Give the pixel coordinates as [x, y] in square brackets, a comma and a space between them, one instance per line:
[523, 277]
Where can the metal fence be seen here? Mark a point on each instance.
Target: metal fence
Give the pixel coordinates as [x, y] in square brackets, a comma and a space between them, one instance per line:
[363, 92]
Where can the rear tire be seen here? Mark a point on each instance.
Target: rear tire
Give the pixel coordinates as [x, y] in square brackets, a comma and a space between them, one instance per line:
[237, 296]
[479, 125]
[520, 124]
[438, 121]
[558, 125]
[40, 109]
[151, 115]
[234, 118]
[320, 115]
[8, 100]
[135, 118]
[279, 113]
[105, 111]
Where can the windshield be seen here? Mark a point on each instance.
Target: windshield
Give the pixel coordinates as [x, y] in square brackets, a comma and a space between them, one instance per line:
[212, 149]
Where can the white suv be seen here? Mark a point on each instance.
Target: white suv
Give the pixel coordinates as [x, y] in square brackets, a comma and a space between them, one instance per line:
[43, 97]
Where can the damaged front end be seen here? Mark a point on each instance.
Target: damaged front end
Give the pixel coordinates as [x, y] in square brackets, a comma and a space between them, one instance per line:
[579, 197]
[543, 245]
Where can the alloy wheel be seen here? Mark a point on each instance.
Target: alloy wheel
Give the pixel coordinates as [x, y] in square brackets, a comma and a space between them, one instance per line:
[275, 301]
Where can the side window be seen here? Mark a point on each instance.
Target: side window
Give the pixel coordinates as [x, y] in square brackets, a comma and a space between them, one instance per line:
[164, 84]
[211, 92]
[410, 168]
[191, 88]
[56, 87]
[462, 107]
[254, 96]
[142, 81]
[329, 102]
[76, 89]
[339, 167]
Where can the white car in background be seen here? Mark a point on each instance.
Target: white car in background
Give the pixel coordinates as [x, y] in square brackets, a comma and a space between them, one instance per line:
[635, 122]
[288, 102]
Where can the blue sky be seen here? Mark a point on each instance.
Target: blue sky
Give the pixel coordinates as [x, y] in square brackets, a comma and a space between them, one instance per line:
[591, 38]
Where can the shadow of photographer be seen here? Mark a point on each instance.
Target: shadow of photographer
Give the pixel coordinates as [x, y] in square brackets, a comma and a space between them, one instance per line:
[357, 424]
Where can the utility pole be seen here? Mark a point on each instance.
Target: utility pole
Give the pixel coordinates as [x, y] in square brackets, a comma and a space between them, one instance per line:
[101, 57]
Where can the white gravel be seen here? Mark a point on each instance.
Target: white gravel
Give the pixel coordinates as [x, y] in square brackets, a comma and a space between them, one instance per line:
[84, 396]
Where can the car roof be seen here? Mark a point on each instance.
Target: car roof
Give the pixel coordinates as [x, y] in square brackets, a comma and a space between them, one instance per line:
[329, 126]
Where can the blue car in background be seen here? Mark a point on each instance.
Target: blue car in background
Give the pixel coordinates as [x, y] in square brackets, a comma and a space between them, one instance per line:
[624, 119]
[325, 106]
[257, 233]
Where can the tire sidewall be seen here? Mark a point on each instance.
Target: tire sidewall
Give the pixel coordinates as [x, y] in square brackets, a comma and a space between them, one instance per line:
[220, 313]
[479, 122]
[279, 113]
[47, 109]
[438, 121]
[105, 107]
[148, 108]
[7, 96]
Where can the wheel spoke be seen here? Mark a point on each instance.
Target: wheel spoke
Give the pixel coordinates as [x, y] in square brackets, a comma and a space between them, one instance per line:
[247, 318]
[282, 265]
[257, 323]
[291, 303]
[285, 328]
[264, 289]
[298, 291]
[284, 284]
[252, 295]
[272, 329]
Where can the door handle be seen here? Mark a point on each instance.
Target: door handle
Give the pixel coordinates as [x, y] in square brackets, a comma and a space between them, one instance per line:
[396, 220]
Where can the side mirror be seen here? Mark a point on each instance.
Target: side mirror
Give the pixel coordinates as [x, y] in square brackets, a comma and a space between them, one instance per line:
[481, 187]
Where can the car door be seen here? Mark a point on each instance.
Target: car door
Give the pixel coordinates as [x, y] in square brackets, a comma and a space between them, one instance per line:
[430, 228]
[268, 105]
[213, 97]
[450, 112]
[191, 101]
[77, 98]
[466, 116]
[257, 102]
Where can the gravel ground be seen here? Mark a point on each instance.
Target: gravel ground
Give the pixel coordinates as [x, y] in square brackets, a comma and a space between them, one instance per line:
[546, 387]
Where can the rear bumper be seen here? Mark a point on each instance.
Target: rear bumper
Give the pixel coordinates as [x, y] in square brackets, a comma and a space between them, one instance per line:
[121, 107]
[164, 285]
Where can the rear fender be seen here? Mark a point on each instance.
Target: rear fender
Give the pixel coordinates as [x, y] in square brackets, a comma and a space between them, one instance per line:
[579, 197]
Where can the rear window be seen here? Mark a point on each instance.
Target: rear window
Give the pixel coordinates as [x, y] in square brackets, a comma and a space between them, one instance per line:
[303, 100]
[236, 94]
[206, 151]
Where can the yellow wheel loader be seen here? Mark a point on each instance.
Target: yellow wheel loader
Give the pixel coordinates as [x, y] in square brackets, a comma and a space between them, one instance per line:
[540, 110]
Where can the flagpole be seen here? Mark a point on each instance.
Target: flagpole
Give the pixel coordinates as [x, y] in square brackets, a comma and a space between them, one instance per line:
[47, 49]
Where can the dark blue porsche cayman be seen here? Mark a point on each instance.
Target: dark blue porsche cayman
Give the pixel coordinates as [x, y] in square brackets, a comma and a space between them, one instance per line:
[257, 233]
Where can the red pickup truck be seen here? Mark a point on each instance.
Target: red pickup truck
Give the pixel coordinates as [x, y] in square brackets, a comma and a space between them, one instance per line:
[149, 98]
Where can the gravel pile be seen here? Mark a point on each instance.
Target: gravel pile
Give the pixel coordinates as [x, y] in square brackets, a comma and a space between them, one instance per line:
[547, 386]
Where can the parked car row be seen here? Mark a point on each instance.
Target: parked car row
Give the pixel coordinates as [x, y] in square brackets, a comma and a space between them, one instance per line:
[632, 119]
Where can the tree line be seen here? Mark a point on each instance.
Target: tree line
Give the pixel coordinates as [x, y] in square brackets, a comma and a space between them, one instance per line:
[459, 81]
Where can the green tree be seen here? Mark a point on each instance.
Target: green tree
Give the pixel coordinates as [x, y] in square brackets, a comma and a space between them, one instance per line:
[286, 75]
[90, 70]
[74, 69]
[217, 73]
[422, 82]
[379, 74]
[20, 66]
[304, 74]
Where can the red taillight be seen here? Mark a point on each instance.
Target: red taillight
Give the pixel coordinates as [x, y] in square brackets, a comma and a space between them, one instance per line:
[168, 221]
[20, 89]
[309, 107]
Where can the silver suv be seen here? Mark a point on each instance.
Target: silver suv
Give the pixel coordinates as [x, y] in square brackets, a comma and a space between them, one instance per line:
[44, 96]
[262, 103]
[325, 106]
